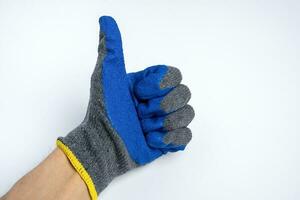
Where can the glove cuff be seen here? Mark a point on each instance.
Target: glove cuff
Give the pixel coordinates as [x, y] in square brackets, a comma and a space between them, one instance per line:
[97, 154]
[79, 168]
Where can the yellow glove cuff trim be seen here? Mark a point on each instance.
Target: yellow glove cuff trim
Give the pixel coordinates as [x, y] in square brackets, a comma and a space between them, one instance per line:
[79, 168]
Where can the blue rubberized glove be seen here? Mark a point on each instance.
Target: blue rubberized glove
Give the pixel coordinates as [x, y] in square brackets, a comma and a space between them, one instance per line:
[131, 119]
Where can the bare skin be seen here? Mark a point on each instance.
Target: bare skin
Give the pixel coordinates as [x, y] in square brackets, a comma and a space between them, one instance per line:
[53, 178]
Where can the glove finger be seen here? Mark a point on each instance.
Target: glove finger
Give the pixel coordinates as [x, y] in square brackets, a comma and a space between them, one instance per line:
[156, 81]
[110, 67]
[178, 119]
[110, 92]
[175, 99]
[171, 139]
[110, 39]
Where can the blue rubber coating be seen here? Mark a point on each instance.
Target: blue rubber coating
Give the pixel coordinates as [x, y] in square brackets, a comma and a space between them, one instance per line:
[156, 140]
[120, 106]
[172, 148]
[151, 108]
[152, 124]
[146, 83]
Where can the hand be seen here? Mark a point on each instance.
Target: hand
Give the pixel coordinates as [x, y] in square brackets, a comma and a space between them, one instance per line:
[131, 120]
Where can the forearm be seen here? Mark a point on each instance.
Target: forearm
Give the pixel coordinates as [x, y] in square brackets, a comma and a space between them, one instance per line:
[54, 178]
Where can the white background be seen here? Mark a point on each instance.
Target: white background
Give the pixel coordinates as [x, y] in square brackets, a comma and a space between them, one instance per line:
[240, 59]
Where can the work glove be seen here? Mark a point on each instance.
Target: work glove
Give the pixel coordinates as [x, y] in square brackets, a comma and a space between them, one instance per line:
[131, 119]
